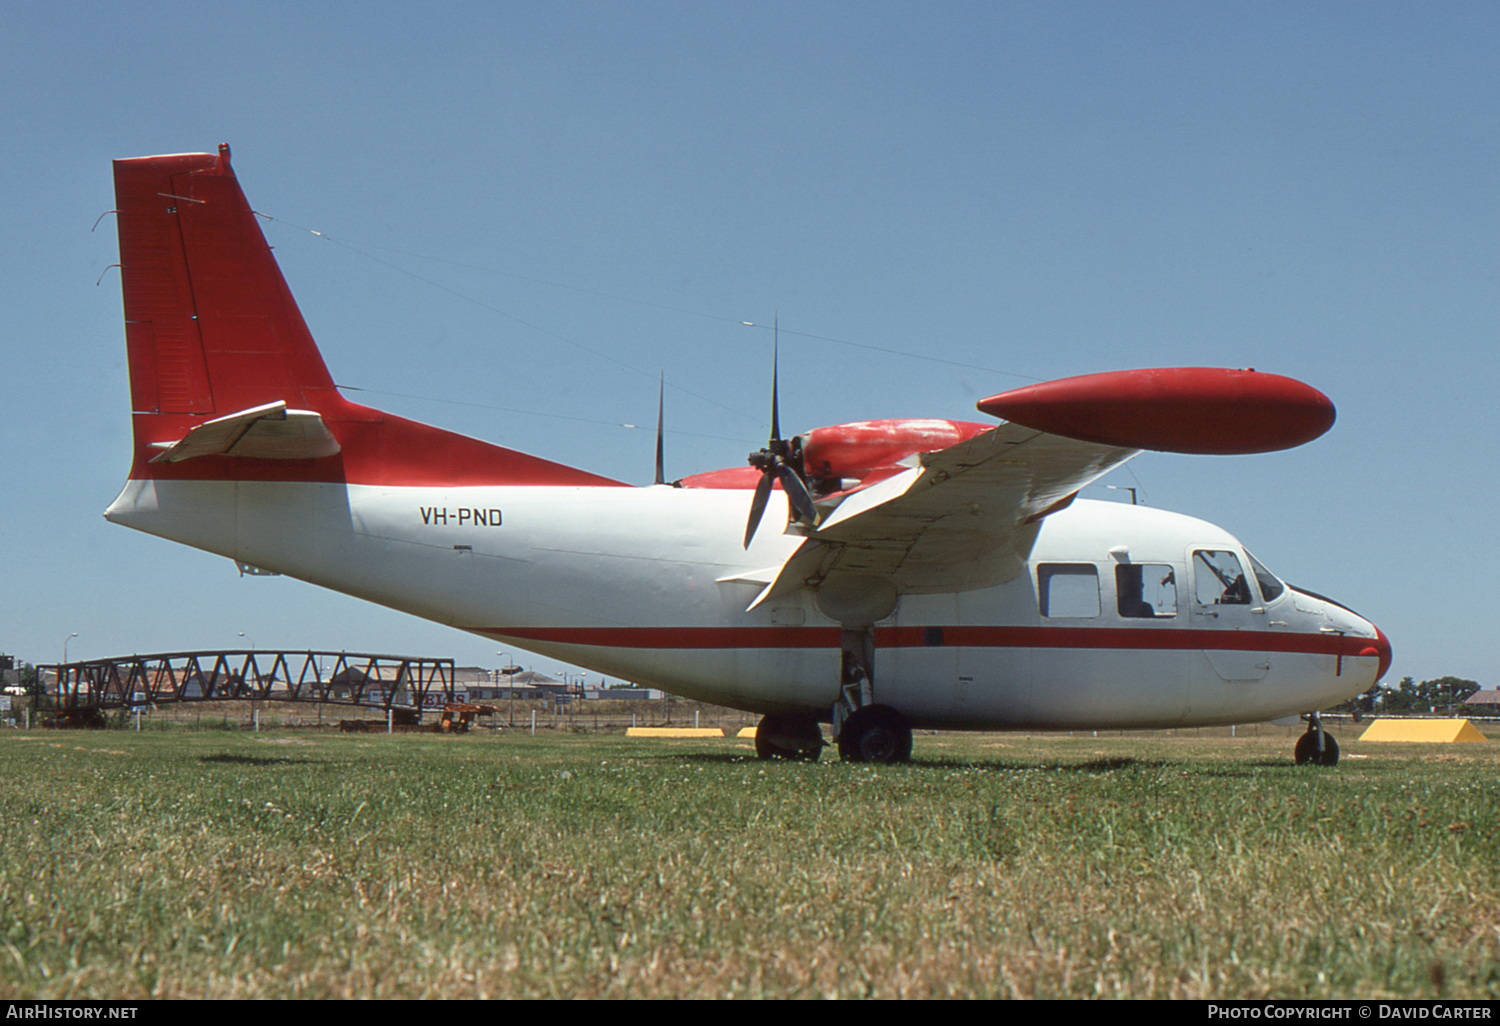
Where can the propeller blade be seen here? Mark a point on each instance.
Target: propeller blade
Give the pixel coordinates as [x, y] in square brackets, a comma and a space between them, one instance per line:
[661, 463]
[772, 460]
[796, 493]
[758, 506]
[775, 405]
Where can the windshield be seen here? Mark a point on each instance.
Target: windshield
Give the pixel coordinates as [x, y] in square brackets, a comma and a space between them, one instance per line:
[1270, 586]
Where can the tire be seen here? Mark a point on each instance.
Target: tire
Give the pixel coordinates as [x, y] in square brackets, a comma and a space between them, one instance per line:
[788, 737]
[876, 733]
[1307, 750]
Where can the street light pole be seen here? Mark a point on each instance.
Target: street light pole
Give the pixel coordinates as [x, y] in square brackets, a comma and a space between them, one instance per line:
[60, 669]
[510, 682]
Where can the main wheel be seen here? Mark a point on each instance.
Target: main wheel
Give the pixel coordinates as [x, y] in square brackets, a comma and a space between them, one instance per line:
[788, 737]
[876, 733]
[1307, 750]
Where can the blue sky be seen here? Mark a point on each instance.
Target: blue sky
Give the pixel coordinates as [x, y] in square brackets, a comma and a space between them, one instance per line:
[530, 210]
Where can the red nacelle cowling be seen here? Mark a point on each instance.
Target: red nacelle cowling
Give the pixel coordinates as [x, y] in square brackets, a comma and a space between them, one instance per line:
[854, 451]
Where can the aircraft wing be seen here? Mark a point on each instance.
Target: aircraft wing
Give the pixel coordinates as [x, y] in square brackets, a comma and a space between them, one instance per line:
[964, 517]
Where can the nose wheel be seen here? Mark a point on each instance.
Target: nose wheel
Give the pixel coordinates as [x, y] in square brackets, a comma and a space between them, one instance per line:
[1317, 747]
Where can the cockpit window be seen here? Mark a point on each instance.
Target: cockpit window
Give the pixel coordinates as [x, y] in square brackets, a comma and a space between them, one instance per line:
[1146, 591]
[1218, 579]
[1068, 589]
[1270, 587]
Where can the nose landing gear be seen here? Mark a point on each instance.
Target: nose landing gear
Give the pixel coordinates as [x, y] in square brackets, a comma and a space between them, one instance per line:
[1317, 746]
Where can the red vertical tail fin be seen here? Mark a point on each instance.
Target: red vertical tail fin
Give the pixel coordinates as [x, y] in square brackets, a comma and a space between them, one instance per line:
[209, 322]
[218, 348]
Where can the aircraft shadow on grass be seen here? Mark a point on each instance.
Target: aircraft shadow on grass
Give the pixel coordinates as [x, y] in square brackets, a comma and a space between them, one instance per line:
[258, 760]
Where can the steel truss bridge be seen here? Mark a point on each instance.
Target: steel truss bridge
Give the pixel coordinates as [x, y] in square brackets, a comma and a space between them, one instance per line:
[405, 685]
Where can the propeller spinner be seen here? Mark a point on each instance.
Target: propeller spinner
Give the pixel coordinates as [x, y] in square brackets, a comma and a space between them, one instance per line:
[776, 463]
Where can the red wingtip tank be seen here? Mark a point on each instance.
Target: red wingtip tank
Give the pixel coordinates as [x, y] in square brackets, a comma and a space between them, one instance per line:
[1204, 410]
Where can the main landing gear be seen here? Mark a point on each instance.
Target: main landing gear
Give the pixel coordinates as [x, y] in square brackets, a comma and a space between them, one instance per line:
[875, 733]
[864, 730]
[788, 737]
[1317, 746]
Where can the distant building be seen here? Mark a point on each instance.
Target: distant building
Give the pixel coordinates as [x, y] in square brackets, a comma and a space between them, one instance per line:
[619, 694]
[480, 685]
[1483, 703]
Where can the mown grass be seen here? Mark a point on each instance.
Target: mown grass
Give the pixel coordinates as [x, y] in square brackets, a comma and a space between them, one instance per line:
[302, 864]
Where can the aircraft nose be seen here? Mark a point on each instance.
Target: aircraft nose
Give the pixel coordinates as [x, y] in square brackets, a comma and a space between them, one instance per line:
[1382, 649]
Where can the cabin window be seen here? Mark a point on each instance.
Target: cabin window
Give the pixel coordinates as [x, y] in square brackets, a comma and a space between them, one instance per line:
[1270, 587]
[1219, 579]
[1068, 590]
[1146, 591]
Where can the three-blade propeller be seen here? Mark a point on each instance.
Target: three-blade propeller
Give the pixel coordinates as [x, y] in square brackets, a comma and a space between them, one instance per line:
[775, 464]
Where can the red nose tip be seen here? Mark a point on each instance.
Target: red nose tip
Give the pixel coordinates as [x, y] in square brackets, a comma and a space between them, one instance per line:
[1382, 649]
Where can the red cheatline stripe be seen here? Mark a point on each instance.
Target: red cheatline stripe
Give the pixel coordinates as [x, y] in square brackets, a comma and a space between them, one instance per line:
[1151, 639]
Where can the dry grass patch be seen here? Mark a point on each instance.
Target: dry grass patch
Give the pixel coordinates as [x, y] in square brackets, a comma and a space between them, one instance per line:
[211, 864]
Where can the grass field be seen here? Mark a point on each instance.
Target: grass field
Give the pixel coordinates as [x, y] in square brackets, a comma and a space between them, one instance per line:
[302, 863]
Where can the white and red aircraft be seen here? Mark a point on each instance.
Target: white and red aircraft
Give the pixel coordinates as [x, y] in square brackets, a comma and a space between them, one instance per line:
[932, 573]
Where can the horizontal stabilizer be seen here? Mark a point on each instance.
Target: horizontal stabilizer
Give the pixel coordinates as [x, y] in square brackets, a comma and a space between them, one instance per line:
[269, 432]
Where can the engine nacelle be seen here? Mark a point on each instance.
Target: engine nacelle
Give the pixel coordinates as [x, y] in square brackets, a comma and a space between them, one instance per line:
[854, 450]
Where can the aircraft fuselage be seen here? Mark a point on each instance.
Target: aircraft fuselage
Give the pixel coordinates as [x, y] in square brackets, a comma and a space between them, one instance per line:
[1118, 616]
